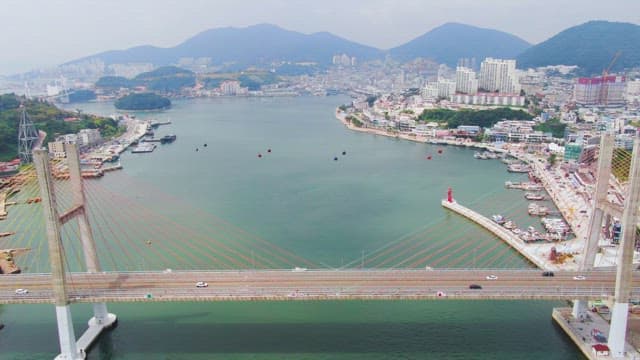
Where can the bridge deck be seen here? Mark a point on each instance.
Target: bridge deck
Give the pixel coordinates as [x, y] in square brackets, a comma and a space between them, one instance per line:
[277, 285]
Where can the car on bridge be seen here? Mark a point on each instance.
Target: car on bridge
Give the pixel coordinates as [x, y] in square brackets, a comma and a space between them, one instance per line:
[579, 277]
[475, 287]
[492, 277]
[22, 291]
[201, 284]
[548, 273]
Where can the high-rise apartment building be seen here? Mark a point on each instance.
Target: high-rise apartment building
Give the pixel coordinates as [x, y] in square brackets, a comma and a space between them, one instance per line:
[600, 91]
[499, 75]
[466, 81]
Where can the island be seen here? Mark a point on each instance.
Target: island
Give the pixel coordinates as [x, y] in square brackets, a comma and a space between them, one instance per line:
[143, 101]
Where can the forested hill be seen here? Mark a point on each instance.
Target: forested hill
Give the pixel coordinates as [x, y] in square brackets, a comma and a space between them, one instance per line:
[591, 46]
[47, 118]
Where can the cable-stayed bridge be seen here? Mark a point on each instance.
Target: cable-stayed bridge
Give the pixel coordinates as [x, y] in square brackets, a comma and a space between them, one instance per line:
[246, 262]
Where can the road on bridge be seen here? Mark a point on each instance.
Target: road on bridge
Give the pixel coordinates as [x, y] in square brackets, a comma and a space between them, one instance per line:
[302, 284]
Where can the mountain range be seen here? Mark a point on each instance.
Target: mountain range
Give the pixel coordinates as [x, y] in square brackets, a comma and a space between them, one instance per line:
[590, 45]
[452, 41]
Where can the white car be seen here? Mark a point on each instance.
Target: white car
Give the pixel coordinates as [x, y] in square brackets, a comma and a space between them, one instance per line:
[299, 269]
[201, 284]
[492, 277]
[22, 291]
[579, 277]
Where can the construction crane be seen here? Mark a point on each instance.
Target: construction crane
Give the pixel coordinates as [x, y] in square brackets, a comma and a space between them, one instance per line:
[604, 87]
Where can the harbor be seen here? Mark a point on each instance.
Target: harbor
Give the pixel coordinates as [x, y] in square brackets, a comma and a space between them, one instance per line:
[537, 254]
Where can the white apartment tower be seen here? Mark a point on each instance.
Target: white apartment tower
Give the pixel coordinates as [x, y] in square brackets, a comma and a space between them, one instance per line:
[466, 81]
[499, 75]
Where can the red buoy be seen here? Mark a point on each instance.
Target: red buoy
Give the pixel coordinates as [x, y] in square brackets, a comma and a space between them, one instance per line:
[429, 157]
[268, 150]
[439, 151]
[259, 155]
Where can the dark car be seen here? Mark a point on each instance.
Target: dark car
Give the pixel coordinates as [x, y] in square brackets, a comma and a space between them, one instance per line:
[547, 273]
[475, 286]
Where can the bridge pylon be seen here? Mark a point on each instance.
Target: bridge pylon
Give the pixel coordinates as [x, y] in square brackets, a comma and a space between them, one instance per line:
[102, 319]
[605, 157]
[620, 313]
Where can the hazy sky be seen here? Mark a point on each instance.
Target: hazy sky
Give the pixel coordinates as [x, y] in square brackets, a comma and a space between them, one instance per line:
[39, 33]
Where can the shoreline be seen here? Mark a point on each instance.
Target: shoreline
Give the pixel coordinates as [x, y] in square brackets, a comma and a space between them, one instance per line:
[566, 200]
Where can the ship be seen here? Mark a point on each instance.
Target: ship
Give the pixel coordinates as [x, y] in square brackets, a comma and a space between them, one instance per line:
[533, 196]
[509, 225]
[167, 139]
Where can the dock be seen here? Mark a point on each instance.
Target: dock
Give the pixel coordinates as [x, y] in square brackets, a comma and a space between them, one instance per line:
[580, 333]
[7, 263]
[505, 235]
[3, 210]
[144, 148]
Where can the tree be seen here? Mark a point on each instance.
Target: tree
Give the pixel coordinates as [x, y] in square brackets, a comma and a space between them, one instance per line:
[552, 159]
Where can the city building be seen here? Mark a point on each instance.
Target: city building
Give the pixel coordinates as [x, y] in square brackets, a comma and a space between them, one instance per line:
[499, 75]
[600, 91]
[231, 87]
[68, 138]
[344, 60]
[516, 131]
[466, 81]
[491, 99]
[88, 137]
[56, 149]
[446, 88]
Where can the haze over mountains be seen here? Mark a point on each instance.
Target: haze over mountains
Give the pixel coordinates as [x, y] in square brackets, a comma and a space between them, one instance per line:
[590, 45]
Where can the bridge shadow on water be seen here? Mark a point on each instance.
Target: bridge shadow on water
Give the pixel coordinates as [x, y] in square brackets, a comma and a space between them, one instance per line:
[355, 340]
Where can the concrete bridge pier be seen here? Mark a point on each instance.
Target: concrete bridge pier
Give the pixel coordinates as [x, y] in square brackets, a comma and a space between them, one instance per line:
[66, 335]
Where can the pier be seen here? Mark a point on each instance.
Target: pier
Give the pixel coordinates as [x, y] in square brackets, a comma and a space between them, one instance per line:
[505, 235]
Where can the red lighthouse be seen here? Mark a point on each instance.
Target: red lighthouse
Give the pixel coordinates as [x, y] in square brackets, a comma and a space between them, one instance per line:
[450, 195]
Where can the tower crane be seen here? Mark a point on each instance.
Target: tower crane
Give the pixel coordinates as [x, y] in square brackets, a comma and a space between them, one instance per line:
[604, 87]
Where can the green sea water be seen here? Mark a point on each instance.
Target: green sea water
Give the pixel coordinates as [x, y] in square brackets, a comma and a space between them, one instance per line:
[333, 213]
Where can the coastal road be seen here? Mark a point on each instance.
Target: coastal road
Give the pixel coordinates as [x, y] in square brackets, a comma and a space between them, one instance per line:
[301, 284]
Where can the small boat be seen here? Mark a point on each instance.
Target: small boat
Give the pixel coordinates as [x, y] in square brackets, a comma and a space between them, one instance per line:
[167, 139]
[509, 225]
[518, 168]
[480, 156]
[499, 219]
[537, 210]
[533, 196]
